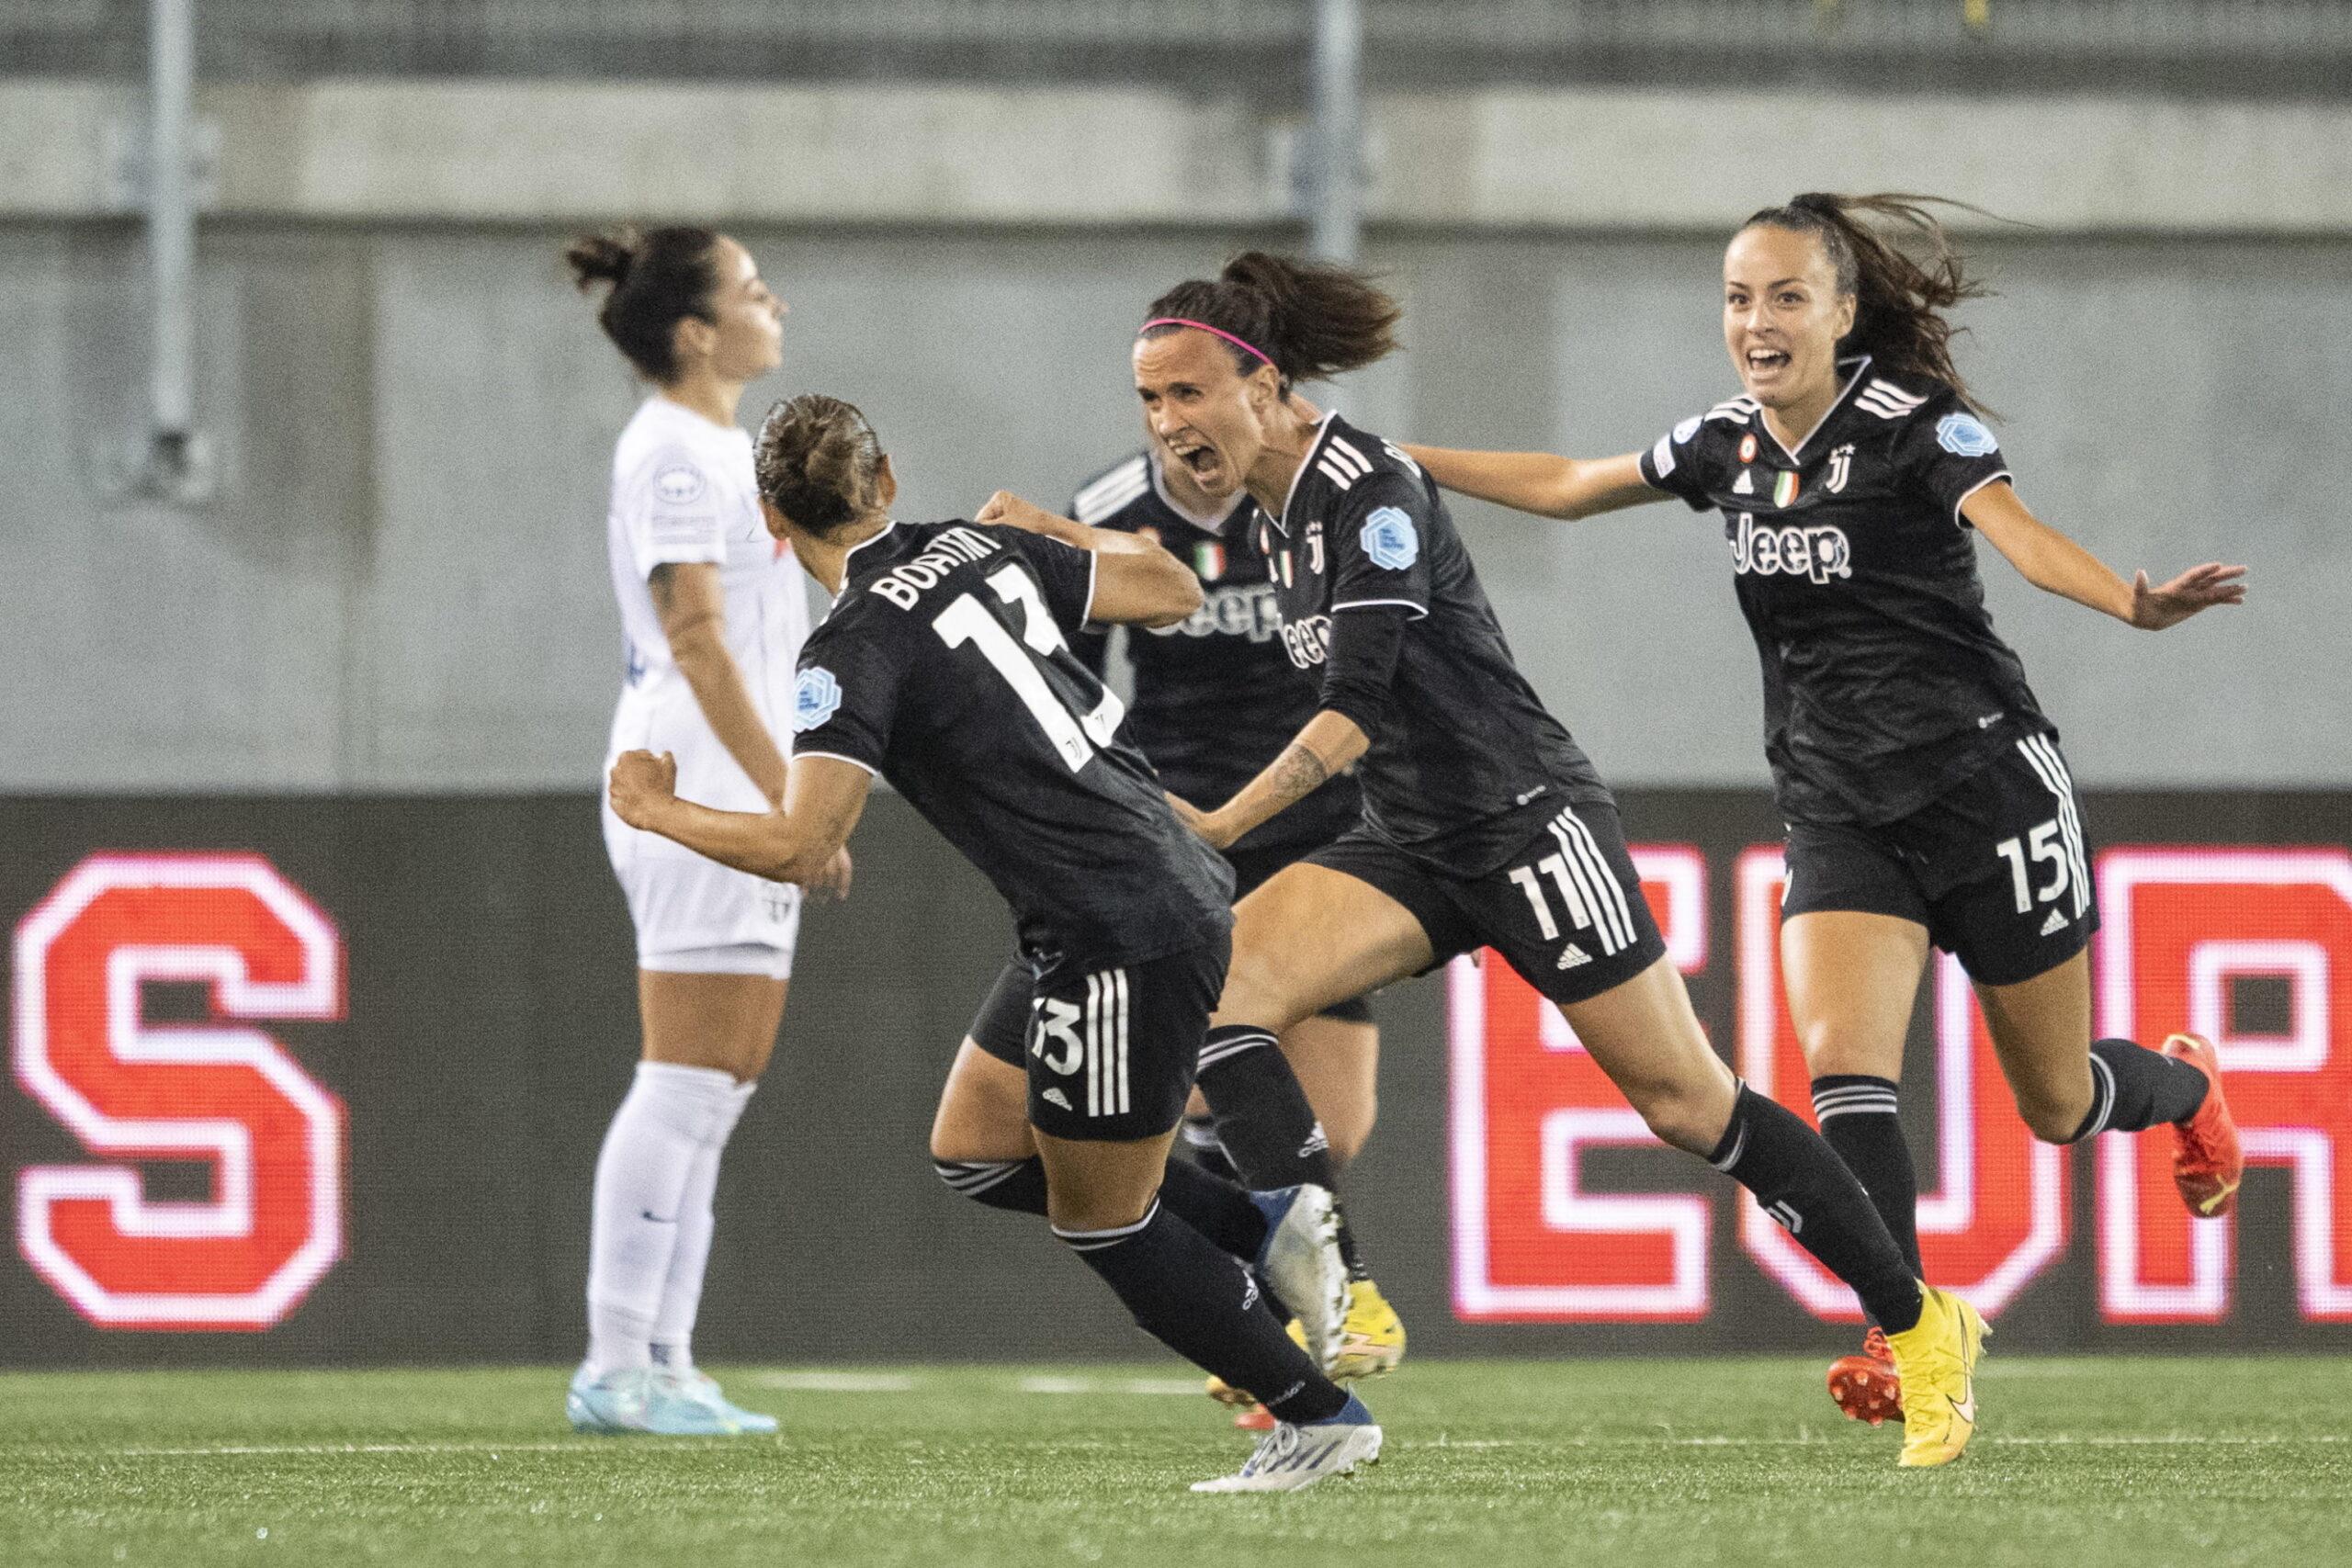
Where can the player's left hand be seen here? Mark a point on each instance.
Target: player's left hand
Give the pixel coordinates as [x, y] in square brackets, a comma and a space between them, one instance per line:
[834, 880]
[1204, 824]
[2198, 588]
[1007, 510]
[641, 783]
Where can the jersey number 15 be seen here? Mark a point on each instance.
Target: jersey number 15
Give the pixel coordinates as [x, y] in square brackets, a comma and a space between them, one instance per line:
[967, 620]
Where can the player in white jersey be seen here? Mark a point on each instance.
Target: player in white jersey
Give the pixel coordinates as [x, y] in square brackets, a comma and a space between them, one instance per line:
[713, 615]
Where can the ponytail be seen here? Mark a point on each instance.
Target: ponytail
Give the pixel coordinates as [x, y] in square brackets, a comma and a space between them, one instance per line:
[1899, 299]
[1308, 320]
[657, 278]
[818, 462]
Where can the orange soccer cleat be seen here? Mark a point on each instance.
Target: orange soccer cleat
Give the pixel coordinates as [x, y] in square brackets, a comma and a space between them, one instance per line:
[1867, 1387]
[2207, 1163]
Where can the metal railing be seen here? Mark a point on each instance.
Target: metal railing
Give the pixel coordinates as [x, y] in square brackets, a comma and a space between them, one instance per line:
[2253, 47]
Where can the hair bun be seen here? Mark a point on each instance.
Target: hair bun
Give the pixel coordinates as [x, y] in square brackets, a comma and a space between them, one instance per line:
[606, 258]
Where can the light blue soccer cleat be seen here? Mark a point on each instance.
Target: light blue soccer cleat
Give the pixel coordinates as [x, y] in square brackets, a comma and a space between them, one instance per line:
[1299, 1261]
[642, 1399]
[1294, 1455]
[701, 1387]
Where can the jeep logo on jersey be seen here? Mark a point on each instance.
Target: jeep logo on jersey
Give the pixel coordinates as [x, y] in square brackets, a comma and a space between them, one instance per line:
[1249, 611]
[816, 697]
[1964, 435]
[1309, 642]
[679, 484]
[1389, 539]
[1820, 553]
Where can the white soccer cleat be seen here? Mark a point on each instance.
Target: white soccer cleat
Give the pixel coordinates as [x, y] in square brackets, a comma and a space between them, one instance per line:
[1300, 1263]
[1290, 1457]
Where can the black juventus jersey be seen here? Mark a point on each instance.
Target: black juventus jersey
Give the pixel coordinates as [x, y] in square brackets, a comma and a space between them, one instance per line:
[1465, 764]
[1215, 697]
[1884, 682]
[945, 665]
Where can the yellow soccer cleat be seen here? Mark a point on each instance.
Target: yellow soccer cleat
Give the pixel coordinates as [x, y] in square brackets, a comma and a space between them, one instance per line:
[1936, 1358]
[1372, 1340]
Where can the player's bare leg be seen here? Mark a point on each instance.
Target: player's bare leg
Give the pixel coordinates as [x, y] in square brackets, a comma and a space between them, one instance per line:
[1852, 979]
[2041, 1028]
[708, 1037]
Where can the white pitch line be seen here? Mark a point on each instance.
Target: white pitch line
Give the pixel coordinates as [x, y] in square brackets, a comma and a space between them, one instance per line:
[837, 1383]
[586, 1445]
[1109, 1385]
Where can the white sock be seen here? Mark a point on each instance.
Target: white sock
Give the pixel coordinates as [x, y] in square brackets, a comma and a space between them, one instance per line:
[674, 1321]
[641, 1177]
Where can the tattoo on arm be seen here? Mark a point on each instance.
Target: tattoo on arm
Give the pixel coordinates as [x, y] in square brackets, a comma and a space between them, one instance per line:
[1297, 773]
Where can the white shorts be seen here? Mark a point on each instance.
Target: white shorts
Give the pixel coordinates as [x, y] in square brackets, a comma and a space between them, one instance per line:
[697, 917]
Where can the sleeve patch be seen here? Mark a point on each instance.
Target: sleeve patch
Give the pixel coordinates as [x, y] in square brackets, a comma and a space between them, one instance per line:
[679, 483]
[1390, 539]
[1964, 435]
[816, 697]
[1662, 454]
[1685, 431]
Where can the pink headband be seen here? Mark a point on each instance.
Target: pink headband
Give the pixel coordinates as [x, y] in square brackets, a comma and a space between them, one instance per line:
[1203, 326]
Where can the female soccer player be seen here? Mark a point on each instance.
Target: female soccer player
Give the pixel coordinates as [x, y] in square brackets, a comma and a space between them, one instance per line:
[713, 616]
[1927, 799]
[945, 664]
[1483, 824]
[1215, 698]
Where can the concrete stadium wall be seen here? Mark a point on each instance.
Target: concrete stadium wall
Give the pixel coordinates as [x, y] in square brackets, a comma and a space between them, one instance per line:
[401, 585]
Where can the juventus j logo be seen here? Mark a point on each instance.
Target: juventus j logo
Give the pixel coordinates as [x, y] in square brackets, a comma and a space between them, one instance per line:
[1314, 547]
[1841, 465]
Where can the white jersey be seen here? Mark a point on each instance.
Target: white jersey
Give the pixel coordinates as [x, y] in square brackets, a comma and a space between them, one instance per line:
[684, 492]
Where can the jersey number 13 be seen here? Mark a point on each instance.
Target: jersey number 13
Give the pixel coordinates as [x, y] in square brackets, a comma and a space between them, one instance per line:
[1073, 735]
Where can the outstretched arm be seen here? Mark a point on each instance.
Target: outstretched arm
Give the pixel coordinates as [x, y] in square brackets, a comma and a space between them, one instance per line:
[805, 842]
[2056, 564]
[1330, 742]
[1137, 581]
[1540, 482]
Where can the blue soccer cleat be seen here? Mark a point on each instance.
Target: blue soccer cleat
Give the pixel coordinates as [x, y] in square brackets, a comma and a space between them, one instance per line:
[641, 1399]
[702, 1387]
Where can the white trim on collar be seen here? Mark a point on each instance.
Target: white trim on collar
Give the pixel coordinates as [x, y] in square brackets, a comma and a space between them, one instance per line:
[1215, 526]
[1862, 364]
[1322, 433]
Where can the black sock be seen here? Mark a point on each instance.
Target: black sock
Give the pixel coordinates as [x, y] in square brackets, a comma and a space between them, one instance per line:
[2132, 1087]
[1268, 1128]
[1858, 1119]
[1218, 1210]
[1769, 1150]
[1199, 1136]
[1017, 1185]
[1208, 1309]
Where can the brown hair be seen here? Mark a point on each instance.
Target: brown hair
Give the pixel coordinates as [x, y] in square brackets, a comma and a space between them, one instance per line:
[1310, 319]
[1899, 299]
[818, 462]
[659, 278]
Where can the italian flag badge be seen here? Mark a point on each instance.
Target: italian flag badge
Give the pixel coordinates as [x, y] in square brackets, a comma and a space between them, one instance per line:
[1784, 489]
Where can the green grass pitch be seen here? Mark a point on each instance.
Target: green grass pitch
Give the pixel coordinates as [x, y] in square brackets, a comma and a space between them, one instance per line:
[2189, 1463]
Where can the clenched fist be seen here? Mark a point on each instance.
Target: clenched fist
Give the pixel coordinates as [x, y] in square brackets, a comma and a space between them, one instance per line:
[642, 784]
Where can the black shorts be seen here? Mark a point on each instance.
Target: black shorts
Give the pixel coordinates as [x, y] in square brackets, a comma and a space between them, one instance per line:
[1566, 911]
[1001, 1026]
[1112, 1054]
[1996, 868]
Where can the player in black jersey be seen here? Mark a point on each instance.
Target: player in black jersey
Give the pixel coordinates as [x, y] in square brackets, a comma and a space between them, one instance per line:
[1215, 697]
[945, 664]
[1483, 824]
[1927, 799]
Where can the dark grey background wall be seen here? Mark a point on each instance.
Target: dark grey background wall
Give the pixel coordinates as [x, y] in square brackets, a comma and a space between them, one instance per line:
[491, 1030]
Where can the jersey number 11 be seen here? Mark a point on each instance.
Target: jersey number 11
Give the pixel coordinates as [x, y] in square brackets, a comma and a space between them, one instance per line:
[967, 620]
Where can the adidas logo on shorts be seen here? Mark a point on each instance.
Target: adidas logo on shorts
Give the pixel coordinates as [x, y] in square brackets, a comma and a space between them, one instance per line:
[1573, 956]
[2054, 924]
[1056, 1096]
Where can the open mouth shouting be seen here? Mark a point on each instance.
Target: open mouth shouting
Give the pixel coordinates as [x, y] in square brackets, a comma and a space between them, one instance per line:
[1764, 364]
[1205, 462]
